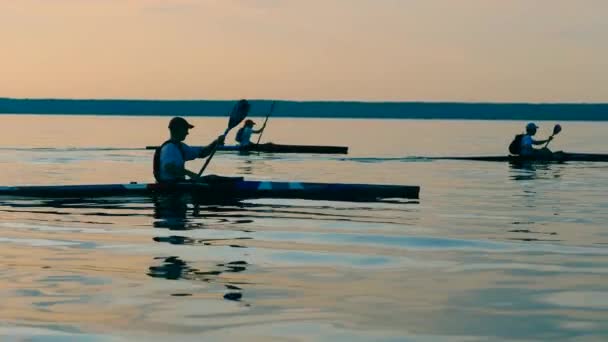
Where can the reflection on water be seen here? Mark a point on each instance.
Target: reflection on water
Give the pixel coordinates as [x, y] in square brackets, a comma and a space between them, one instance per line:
[174, 268]
[492, 251]
[171, 212]
[527, 170]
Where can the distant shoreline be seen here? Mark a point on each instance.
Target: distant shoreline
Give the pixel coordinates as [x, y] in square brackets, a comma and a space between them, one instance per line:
[314, 109]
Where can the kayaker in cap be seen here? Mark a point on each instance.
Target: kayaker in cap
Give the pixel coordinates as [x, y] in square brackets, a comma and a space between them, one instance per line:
[170, 158]
[523, 144]
[243, 135]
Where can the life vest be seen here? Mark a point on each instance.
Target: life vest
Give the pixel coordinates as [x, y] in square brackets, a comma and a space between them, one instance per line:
[515, 145]
[156, 164]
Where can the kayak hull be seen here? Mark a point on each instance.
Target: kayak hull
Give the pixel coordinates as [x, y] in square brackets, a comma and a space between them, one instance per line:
[276, 148]
[555, 157]
[279, 148]
[232, 189]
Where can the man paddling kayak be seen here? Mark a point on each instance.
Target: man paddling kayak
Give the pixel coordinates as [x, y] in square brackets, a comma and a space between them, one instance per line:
[170, 158]
[243, 135]
[523, 144]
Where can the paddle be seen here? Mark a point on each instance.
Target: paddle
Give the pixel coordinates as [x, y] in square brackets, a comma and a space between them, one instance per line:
[265, 121]
[239, 112]
[556, 129]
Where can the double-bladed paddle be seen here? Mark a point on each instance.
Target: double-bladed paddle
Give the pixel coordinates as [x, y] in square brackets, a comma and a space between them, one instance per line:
[238, 113]
[265, 121]
[556, 129]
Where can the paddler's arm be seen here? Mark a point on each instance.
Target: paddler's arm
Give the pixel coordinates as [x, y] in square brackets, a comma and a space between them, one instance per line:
[259, 130]
[205, 151]
[541, 142]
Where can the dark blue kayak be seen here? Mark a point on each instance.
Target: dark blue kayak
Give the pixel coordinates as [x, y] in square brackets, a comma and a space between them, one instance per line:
[223, 188]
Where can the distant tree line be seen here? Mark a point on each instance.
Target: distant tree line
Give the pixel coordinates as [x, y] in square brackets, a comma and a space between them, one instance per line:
[327, 109]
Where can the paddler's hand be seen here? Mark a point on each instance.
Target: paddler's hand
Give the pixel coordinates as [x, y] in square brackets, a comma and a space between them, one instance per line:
[220, 140]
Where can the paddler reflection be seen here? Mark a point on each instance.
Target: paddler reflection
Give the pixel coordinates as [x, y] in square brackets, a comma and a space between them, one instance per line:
[176, 214]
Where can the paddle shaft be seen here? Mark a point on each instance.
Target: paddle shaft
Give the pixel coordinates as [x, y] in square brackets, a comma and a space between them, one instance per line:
[547, 143]
[210, 156]
[265, 121]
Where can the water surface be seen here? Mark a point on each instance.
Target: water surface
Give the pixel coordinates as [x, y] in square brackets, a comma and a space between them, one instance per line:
[491, 251]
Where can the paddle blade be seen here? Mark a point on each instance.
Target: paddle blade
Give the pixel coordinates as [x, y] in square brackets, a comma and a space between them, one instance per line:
[557, 129]
[239, 112]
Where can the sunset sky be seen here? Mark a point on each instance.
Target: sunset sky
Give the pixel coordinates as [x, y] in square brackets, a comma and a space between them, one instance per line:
[368, 50]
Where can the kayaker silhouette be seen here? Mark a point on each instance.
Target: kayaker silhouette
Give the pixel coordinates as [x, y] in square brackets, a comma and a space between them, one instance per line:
[523, 144]
[243, 135]
[170, 158]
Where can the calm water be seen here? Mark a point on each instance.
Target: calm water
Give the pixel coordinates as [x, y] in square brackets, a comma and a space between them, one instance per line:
[490, 252]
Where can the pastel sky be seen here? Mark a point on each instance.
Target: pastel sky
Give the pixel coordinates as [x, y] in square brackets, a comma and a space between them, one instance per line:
[370, 50]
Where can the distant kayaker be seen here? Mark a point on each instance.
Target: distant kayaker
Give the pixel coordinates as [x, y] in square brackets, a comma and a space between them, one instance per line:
[243, 135]
[170, 158]
[523, 143]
